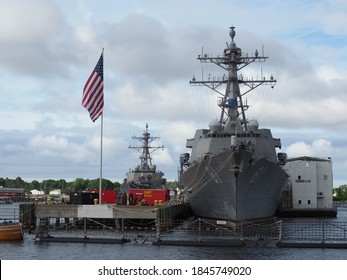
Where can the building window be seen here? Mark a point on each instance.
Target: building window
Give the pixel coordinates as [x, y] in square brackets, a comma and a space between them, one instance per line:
[308, 201]
[299, 201]
[299, 177]
[325, 177]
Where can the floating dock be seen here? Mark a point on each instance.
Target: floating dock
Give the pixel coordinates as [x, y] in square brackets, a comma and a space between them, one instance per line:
[307, 212]
[169, 225]
[330, 245]
[83, 240]
[204, 243]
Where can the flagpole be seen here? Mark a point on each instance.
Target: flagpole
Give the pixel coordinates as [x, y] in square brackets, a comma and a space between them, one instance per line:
[100, 182]
[93, 101]
[101, 132]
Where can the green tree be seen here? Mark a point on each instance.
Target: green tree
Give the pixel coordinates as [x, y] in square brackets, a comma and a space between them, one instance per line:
[80, 184]
[341, 192]
[171, 185]
[19, 183]
[10, 183]
[61, 185]
[35, 185]
[47, 185]
[107, 184]
[27, 187]
[70, 187]
[2, 182]
[95, 184]
[116, 186]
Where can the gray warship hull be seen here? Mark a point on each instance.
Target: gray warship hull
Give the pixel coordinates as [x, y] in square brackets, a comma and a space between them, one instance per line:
[218, 190]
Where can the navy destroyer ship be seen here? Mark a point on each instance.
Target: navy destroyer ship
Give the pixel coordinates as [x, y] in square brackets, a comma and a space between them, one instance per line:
[145, 175]
[233, 172]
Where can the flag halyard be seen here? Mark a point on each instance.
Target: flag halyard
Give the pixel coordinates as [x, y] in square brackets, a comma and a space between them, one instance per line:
[93, 91]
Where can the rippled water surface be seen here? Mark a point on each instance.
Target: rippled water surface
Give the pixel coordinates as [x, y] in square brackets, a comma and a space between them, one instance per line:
[29, 249]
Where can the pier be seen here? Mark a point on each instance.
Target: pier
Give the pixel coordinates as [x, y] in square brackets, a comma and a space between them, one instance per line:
[105, 211]
[49, 219]
[167, 212]
[170, 225]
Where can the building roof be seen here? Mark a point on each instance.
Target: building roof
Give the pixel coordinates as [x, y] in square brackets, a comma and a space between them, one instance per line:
[306, 158]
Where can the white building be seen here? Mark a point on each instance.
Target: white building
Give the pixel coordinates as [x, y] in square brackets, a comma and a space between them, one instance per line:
[36, 192]
[311, 182]
[56, 192]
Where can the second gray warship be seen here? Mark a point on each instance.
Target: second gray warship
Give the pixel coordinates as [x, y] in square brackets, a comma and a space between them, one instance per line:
[233, 172]
[145, 175]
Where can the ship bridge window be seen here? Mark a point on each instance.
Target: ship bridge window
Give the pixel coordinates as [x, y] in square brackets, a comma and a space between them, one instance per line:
[214, 135]
[250, 134]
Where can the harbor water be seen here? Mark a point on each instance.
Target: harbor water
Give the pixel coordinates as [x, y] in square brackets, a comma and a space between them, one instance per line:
[30, 249]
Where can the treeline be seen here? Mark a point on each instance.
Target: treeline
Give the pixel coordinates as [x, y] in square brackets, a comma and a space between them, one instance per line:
[340, 193]
[79, 184]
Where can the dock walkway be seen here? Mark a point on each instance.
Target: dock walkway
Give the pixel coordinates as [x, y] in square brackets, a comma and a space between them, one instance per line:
[102, 211]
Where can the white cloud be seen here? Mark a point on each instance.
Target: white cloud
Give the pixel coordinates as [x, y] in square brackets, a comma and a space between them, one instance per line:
[55, 148]
[48, 142]
[318, 148]
[28, 21]
[331, 74]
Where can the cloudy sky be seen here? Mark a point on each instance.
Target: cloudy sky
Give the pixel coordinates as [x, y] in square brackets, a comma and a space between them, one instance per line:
[49, 48]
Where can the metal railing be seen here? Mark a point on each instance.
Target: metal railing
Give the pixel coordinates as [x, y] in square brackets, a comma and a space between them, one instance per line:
[200, 229]
[197, 230]
[319, 230]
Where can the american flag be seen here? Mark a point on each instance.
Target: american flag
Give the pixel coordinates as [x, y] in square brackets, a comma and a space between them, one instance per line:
[93, 91]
